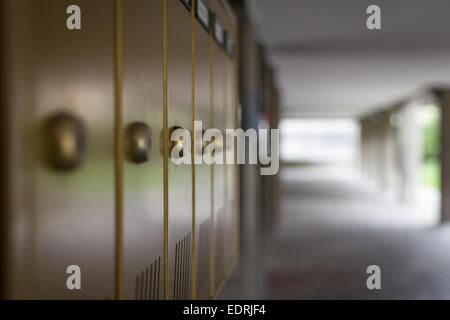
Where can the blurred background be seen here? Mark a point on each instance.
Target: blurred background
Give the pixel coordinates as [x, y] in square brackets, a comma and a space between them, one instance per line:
[364, 150]
[86, 180]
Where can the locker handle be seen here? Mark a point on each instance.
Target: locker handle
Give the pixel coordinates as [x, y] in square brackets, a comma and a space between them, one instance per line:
[138, 142]
[64, 140]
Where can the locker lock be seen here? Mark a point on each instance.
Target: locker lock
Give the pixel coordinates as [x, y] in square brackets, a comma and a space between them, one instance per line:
[138, 142]
[64, 140]
[204, 143]
[173, 144]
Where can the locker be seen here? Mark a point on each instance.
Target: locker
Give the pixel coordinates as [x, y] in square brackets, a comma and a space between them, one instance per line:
[61, 103]
[230, 122]
[88, 177]
[202, 106]
[143, 190]
[179, 177]
[235, 121]
[219, 171]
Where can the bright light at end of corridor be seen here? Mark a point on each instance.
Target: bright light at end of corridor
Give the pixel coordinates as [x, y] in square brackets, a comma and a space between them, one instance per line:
[319, 140]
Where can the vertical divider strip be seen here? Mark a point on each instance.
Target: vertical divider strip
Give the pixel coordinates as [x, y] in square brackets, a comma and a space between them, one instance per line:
[211, 240]
[165, 156]
[194, 260]
[226, 168]
[118, 57]
[236, 125]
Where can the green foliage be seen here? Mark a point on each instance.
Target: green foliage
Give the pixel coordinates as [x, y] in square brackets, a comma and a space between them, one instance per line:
[430, 171]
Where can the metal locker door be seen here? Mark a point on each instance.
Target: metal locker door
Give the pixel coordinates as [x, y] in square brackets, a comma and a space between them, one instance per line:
[179, 179]
[234, 106]
[202, 113]
[219, 173]
[229, 169]
[143, 210]
[61, 102]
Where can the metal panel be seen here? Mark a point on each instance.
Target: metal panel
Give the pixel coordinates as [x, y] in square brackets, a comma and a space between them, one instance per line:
[219, 173]
[61, 217]
[202, 172]
[235, 103]
[143, 181]
[179, 108]
[229, 116]
[4, 154]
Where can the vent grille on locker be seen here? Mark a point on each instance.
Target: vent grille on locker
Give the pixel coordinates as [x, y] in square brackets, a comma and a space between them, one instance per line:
[147, 282]
[182, 267]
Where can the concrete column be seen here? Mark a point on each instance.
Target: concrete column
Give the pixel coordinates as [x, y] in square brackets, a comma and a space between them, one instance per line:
[370, 150]
[363, 161]
[367, 148]
[410, 151]
[387, 175]
[251, 273]
[380, 166]
[444, 99]
[373, 151]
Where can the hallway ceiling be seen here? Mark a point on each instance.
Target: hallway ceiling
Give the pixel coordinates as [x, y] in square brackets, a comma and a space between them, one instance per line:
[330, 65]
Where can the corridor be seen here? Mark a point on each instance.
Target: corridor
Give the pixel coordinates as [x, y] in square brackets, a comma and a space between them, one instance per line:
[224, 149]
[333, 226]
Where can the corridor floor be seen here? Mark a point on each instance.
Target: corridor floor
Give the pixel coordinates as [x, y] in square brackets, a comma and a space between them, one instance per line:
[332, 226]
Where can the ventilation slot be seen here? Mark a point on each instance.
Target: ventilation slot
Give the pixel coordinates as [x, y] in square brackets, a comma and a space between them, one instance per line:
[220, 247]
[148, 282]
[182, 268]
[230, 232]
[203, 259]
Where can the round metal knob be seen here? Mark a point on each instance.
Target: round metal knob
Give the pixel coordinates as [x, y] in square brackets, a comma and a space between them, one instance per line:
[64, 141]
[138, 142]
[171, 144]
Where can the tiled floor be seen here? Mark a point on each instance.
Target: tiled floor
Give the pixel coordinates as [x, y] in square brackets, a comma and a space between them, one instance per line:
[332, 226]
